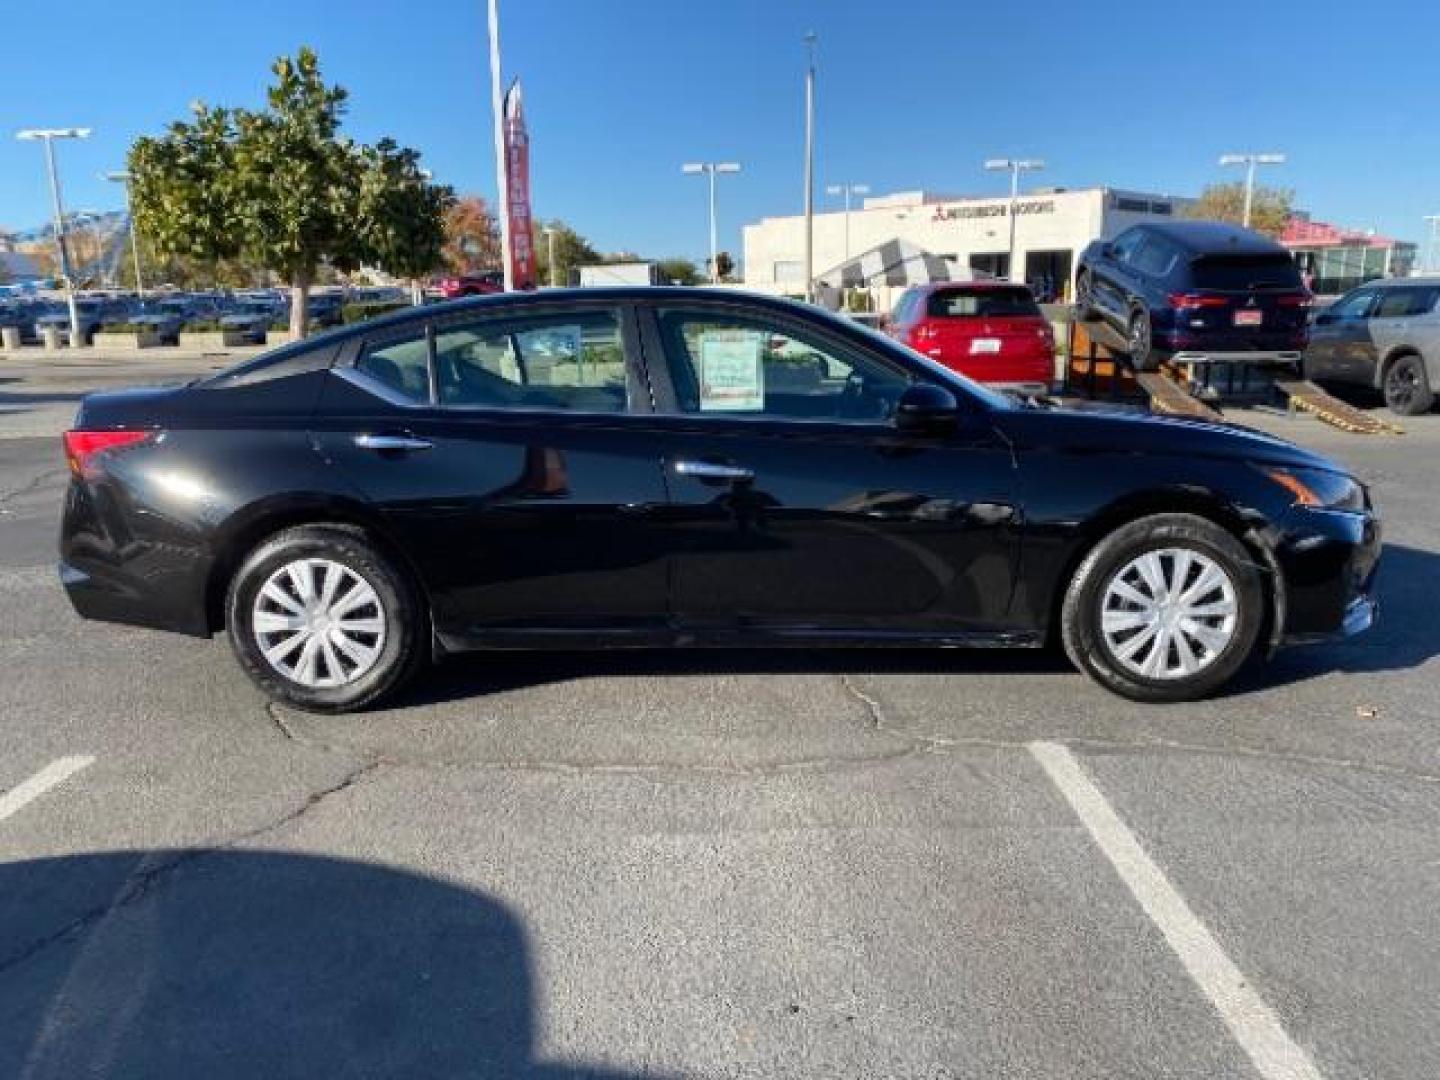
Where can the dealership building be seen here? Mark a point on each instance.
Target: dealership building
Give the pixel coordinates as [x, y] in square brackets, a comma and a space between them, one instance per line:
[891, 241]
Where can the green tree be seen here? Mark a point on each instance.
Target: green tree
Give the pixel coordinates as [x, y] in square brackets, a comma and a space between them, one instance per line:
[282, 190]
[571, 250]
[1269, 211]
[680, 271]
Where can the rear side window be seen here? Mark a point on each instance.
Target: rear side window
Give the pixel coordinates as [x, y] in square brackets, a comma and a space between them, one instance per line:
[1155, 257]
[1404, 302]
[982, 303]
[403, 366]
[572, 362]
[1239, 273]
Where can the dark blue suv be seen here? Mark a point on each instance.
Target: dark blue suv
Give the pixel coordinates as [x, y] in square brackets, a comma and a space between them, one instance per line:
[1196, 290]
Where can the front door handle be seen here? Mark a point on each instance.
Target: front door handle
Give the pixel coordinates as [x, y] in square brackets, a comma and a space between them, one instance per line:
[391, 442]
[710, 470]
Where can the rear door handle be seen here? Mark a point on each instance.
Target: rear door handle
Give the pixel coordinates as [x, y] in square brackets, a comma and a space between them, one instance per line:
[710, 470]
[391, 442]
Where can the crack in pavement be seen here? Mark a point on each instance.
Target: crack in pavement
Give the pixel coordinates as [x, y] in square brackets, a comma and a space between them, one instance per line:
[142, 883]
[32, 485]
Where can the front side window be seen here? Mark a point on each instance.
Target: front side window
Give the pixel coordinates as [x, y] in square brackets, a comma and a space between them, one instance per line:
[1128, 243]
[1404, 302]
[725, 365]
[574, 363]
[1352, 307]
[401, 365]
[1156, 258]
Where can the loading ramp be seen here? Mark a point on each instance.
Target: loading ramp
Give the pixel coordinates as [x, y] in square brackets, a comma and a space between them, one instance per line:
[1098, 367]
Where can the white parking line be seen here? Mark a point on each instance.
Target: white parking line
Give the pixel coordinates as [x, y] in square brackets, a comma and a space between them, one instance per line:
[52, 775]
[1253, 1023]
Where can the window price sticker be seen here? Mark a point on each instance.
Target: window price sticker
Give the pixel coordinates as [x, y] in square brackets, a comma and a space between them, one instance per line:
[732, 372]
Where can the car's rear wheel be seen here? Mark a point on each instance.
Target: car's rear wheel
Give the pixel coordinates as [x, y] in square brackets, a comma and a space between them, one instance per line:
[1166, 608]
[1407, 387]
[1140, 341]
[1085, 298]
[321, 619]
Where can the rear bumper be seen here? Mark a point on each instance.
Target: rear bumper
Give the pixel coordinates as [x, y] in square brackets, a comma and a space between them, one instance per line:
[1289, 357]
[105, 596]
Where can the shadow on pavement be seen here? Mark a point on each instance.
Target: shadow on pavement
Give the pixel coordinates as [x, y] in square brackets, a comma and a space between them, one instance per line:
[213, 964]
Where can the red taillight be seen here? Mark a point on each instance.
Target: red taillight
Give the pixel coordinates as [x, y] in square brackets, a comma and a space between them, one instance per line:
[1297, 300]
[924, 332]
[81, 446]
[1185, 301]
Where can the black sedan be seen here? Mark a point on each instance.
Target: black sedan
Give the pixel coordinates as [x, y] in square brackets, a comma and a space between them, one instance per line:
[656, 467]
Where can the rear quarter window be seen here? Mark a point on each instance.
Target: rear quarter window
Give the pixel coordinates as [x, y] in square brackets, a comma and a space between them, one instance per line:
[982, 303]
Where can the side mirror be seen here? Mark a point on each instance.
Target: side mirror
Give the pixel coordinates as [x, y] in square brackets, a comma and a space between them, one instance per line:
[926, 408]
[1107, 249]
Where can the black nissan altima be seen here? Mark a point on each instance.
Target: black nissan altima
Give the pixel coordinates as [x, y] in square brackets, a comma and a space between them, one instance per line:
[682, 467]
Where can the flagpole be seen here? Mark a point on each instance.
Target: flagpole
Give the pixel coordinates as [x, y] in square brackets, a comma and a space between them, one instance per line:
[497, 110]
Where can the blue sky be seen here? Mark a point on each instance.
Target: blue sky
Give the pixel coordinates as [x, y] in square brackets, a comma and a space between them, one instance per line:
[1130, 93]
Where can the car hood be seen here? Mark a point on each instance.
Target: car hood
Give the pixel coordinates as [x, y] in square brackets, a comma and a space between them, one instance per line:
[1120, 431]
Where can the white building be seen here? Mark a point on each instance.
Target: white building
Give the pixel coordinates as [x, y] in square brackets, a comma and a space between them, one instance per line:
[940, 235]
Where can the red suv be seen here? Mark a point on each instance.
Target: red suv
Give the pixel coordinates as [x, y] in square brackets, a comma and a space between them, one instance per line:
[992, 331]
[451, 288]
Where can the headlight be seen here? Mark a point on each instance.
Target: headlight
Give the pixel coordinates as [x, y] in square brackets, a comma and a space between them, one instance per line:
[1319, 488]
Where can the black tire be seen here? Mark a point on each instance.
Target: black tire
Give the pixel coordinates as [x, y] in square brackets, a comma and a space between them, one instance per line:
[1085, 298]
[400, 606]
[1141, 342]
[1407, 386]
[1082, 610]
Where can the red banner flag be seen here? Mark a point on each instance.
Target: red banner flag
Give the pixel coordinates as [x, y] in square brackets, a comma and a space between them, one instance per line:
[517, 180]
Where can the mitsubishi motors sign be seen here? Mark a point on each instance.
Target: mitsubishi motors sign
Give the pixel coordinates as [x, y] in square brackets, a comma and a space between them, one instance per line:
[517, 183]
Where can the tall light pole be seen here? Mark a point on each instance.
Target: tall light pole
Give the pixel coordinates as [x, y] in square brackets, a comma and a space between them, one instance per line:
[711, 169]
[1432, 245]
[1014, 166]
[48, 137]
[810, 39]
[1250, 161]
[847, 190]
[497, 108]
[549, 231]
[124, 178]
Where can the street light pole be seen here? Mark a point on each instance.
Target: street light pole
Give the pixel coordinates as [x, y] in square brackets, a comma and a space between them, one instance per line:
[497, 109]
[48, 137]
[847, 190]
[810, 39]
[124, 178]
[1432, 245]
[550, 252]
[1250, 161]
[710, 169]
[1015, 166]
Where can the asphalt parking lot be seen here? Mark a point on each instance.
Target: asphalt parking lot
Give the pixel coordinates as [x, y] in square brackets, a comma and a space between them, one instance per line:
[857, 864]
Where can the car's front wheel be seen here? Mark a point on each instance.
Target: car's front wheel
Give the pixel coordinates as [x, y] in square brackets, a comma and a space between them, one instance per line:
[321, 619]
[1166, 608]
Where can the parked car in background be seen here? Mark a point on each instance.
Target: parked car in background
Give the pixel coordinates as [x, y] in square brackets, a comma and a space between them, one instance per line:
[520, 471]
[1195, 290]
[458, 285]
[324, 309]
[1384, 335]
[92, 314]
[991, 331]
[251, 319]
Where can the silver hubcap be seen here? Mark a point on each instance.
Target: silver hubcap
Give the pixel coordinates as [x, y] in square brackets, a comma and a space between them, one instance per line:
[319, 623]
[1169, 613]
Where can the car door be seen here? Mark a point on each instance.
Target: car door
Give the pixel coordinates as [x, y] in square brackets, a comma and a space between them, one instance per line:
[1397, 321]
[1113, 286]
[797, 508]
[1340, 346]
[510, 455]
